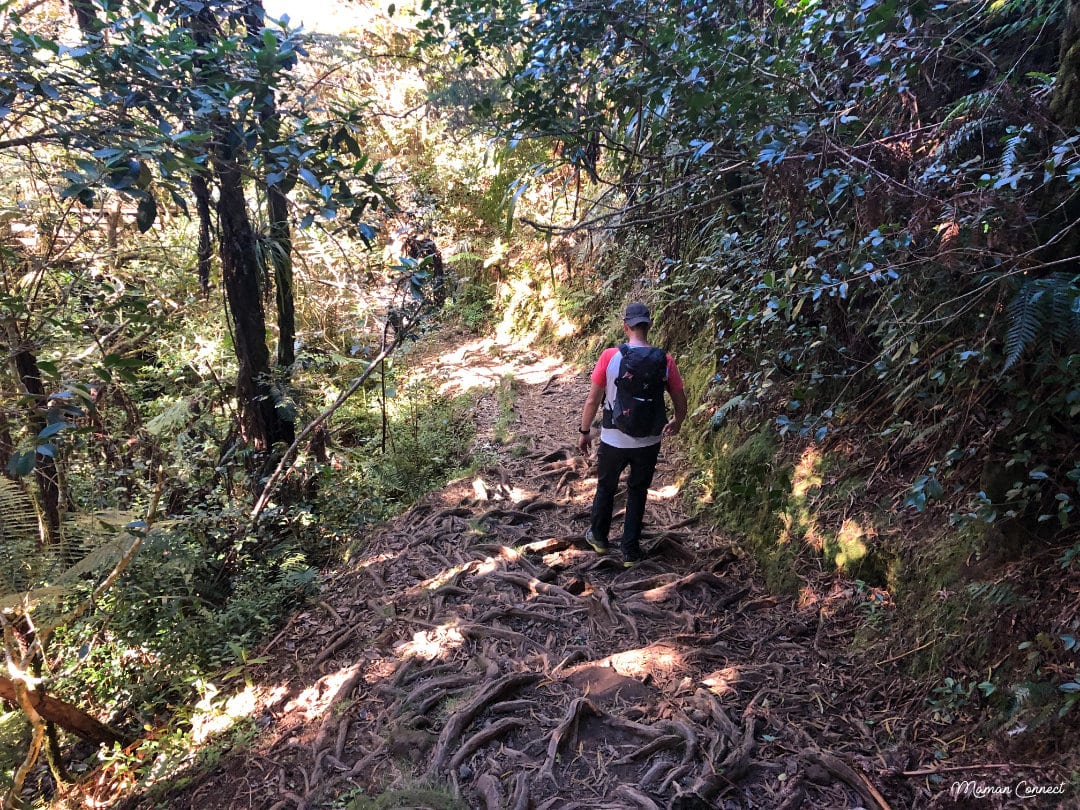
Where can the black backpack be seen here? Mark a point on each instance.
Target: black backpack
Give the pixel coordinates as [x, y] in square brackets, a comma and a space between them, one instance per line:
[639, 408]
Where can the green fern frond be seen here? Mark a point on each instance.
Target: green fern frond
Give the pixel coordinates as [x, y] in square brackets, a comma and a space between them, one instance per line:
[171, 419]
[19, 538]
[971, 105]
[1027, 16]
[1074, 319]
[1065, 309]
[999, 594]
[1043, 308]
[28, 600]
[103, 557]
[967, 131]
[1016, 140]
[1027, 316]
[724, 411]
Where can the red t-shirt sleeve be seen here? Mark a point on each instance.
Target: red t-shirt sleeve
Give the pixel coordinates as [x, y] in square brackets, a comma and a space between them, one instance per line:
[674, 379]
[599, 373]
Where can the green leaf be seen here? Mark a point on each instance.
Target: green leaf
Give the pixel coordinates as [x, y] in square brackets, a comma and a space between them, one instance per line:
[53, 429]
[146, 213]
[308, 177]
[21, 464]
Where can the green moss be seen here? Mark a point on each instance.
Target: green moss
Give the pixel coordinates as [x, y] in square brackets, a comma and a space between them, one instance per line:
[745, 491]
[947, 589]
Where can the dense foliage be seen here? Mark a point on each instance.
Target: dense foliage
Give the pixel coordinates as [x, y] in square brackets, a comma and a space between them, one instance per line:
[178, 194]
[867, 209]
[858, 220]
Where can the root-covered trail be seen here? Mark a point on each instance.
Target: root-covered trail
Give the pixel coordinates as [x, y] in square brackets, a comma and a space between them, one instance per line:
[477, 647]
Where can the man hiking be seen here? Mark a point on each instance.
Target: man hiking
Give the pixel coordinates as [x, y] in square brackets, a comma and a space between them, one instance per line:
[630, 381]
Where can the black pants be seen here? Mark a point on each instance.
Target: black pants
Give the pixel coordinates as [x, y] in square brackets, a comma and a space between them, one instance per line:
[611, 461]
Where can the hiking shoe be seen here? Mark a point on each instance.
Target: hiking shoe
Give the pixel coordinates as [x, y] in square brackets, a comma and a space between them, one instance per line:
[599, 546]
[632, 554]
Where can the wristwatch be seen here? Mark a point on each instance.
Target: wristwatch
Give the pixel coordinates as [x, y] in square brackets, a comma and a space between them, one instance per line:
[584, 432]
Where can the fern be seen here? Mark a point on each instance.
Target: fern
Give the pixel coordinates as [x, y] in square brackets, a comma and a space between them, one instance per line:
[1043, 308]
[967, 131]
[999, 594]
[1065, 311]
[1013, 143]
[724, 411]
[973, 104]
[19, 537]
[1028, 16]
[44, 579]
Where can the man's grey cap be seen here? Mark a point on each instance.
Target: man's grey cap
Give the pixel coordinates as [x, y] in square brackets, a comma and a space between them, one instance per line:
[636, 313]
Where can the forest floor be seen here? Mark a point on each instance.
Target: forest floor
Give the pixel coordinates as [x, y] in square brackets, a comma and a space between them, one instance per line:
[476, 653]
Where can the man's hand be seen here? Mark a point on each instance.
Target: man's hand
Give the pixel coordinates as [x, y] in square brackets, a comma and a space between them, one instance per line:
[672, 427]
[678, 399]
[584, 442]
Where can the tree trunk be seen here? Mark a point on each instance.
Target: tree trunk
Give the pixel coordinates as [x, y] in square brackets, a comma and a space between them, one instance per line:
[68, 717]
[201, 189]
[7, 445]
[86, 16]
[1061, 237]
[283, 274]
[1065, 103]
[277, 204]
[45, 472]
[261, 422]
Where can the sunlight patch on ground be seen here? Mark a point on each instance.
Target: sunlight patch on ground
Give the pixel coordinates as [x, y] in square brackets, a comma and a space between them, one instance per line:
[313, 701]
[808, 598]
[850, 543]
[806, 473]
[720, 682]
[522, 290]
[656, 659]
[380, 670]
[472, 566]
[483, 491]
[212, 717]
[665, 493]
[483, 363]
[568, 557]
[367, 562]
[431, 644]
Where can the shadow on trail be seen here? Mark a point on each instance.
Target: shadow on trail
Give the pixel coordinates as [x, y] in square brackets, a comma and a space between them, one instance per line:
[479, 648]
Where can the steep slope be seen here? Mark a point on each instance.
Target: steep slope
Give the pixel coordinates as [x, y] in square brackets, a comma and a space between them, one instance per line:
[475, 653]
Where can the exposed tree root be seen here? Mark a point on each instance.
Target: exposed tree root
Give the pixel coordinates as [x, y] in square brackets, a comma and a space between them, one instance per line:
[644, 688]
[846, 774]
[669, 590]
[460, 720]
[563, 731]
[490, 792]
[635, 797]
[483, 737]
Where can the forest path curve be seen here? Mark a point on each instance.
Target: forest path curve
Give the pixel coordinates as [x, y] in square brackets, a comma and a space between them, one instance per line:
[476, 647]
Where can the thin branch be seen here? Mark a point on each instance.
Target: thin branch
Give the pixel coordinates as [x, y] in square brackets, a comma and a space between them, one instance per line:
[660, 217]
[290, 453]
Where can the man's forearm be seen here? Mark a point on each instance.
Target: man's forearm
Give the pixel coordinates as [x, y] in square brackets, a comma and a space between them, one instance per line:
[588, 413]
[678, 399]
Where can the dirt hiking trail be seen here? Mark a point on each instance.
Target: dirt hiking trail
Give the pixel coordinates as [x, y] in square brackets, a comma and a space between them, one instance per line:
[476, 647]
